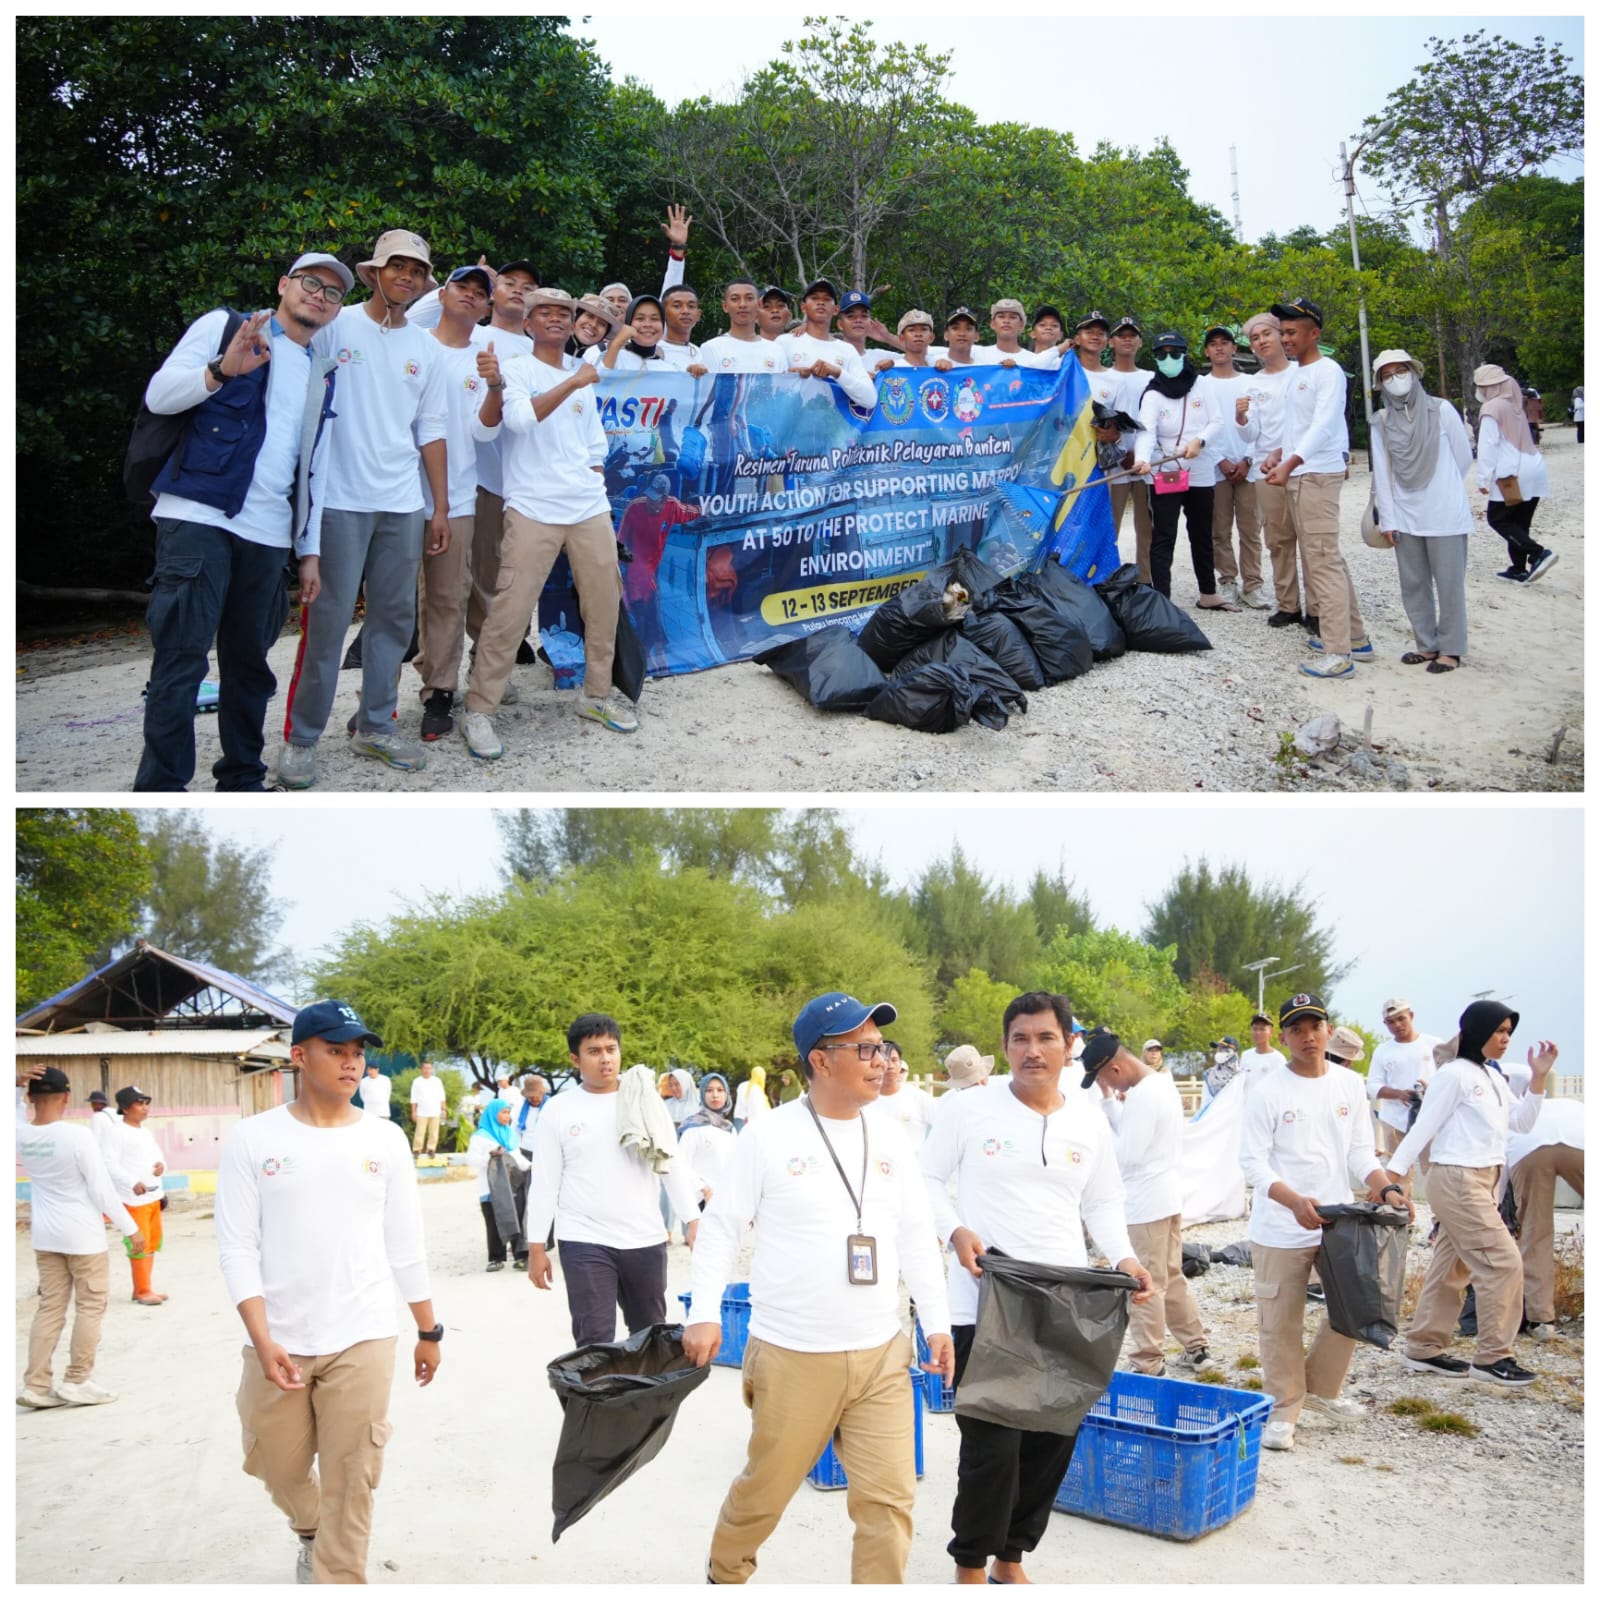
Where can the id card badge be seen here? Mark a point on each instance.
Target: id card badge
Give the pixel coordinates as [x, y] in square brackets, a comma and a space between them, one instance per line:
[863, 1259]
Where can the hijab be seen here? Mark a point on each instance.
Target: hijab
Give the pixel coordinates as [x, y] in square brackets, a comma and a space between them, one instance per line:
[684, 1105]
[1174, 388]
[1411, 434]
[1502, 400]
[705, 1117]
[489, 1123]
[1478, 1023]
[647, 352]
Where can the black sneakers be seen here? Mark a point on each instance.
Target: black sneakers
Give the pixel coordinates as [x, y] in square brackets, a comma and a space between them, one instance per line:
[1513, 575]
[1283, 619]
[1546, 559]
[1442, 1366]
[436, 718]
[1503, 1374]
[1311, 624]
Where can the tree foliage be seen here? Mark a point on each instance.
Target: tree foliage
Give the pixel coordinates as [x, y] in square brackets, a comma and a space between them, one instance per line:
[81, 878]
[962, 921]
[972, 1011]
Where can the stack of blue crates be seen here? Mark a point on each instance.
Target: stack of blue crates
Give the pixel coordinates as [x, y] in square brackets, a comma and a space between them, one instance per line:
[829, 1472]
[735, 1324]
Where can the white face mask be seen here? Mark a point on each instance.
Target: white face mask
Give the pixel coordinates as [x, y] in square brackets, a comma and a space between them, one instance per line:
[1399, 386]
[1479, 396]
[1222, 1057]
[1170, 366]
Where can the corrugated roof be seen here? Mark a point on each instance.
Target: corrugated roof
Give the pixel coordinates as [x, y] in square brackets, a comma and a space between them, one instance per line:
[269, 1043]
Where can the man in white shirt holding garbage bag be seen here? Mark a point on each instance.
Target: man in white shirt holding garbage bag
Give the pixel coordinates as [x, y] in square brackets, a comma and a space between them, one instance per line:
[840, 1215]
[1307, 1141]
[1033, 1168]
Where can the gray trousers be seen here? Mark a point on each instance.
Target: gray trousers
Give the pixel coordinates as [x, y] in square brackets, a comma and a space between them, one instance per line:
[1433, 589]
[384, 548]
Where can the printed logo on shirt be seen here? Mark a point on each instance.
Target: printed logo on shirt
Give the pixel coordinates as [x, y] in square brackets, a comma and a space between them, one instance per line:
[1344, 1111]
[575, 1130]
[373, 1167]
[273, 1165]
[997, 1147]
[935, 400]
[1075, 1157]
[412, 369]
[1477, 1091]
[897, 403]
[1288, 1116]
[351, 357]
[470, 384]
[969, 401]
[1302, 386]
[886, 1166]
[799, 1166]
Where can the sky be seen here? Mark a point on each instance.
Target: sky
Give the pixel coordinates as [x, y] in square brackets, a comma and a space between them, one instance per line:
[1198, 81]
[1431, 903]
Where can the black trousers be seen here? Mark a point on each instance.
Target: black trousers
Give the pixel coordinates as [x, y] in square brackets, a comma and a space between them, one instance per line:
[1006, 1480]
[600, 1278]
[1196, 507]
[1512, 523]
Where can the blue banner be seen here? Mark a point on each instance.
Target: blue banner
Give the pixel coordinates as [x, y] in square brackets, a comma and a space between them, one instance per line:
[760, 508]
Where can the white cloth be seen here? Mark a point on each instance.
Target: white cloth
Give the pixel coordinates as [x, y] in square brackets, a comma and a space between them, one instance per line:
[486, 442]
[783, 1182]
[1026, 1182]
[1255, 1064]
[1262, 432]
[1313, 419]
[911, 1107]
[179, 384]
[1167, 426]
[1313, 1134]
[134, 1158]
[71, 1187]
[727, 354]
[1126, 391]
[1149, 1146]
[1558, 1122]
[427, 1096]
[644, 1123]
[594, 1190]
[390, 400]
[374, 1092]
[549, 466]
[464, 392]
[322, 1222]
[1441, 507]
[1211, 1180]
[854, 379]
[1466, 1115]
[1399, 1066]
[705, 1153]
[1228, 442]
[680, 356]
[1499, 458]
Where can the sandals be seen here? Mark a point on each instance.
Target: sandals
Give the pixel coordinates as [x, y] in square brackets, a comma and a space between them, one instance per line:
[1415, 658]
[1443, 666]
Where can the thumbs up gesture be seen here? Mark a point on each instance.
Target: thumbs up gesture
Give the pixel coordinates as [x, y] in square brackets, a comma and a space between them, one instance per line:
[489, 366]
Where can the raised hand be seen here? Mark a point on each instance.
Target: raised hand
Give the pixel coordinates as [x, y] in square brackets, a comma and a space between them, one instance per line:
[489, 365]
[676, 227]
[249, 348]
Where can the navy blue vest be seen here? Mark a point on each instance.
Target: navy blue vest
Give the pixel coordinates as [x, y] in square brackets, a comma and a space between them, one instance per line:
[217, 458]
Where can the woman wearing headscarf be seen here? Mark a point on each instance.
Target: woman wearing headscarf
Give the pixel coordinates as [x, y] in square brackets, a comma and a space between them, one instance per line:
[750, 1099]
[1469, 1108]
[1420, 458]
[503, 1178]
[705, 1140]
[592, 323]
[635, 345]
[1176, 422]
[1511, 472]
[1577, 411]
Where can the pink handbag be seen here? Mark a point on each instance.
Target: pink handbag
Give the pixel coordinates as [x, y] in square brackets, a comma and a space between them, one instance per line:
[1169, 479]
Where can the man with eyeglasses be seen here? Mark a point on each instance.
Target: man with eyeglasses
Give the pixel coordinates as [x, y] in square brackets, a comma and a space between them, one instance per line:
[392, 405]
[840, 1216]
[230, 504]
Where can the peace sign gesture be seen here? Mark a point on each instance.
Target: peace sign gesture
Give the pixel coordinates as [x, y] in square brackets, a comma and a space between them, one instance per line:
[249, 348]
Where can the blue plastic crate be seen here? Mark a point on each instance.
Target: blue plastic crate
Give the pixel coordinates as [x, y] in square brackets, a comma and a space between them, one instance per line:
[735, 1324]
[1165, 1457]
[937, 1394]
[828, 1473]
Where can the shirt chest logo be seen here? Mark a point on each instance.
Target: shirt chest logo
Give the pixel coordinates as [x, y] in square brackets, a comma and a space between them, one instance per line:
[1477, 1091]
[412, 369]
[886, 1166]
[1344, 1111]
[279, 1166]
[799, 1166]
[997, 1147]
[472, 385]
[1288, 1117]
[372, 1167]
[351, 357]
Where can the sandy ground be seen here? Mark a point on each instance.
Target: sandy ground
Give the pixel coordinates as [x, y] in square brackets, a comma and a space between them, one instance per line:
[1145, 722]
[482, 1437]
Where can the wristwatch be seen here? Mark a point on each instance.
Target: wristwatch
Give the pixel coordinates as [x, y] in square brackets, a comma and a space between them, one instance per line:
[214, 367]
[495, 385]
[434, 1337]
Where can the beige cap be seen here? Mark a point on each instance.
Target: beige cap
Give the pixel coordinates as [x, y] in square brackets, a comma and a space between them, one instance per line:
[914, 319]
[1486, 377]
[1393, 1008]
[1154, 1044]
[965, 1067]
[596, 307]
[1346, 1044]
[1007, 305]
[396, 242]
[1387, 358]
[553, 297]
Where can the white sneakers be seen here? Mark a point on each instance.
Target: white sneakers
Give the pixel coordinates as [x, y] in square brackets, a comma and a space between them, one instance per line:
[38, 1401]
[297, 766]
[483, 742]
[615, 712]
[302, 1562]
[1277, 1436]
[1258, 599]
[86, 1393]
[1335, 1410]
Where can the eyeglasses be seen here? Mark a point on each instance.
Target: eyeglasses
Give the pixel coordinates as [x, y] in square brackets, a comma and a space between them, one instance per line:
[864, 1052]
[317, 289]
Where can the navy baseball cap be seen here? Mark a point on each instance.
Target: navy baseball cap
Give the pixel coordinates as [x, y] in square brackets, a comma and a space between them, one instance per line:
[1093, 319]
[1098, 1049]
[98, 1097]
[819, 283]
[1128, 322]
[854, 298]
[832, 1014]
[51, 1081]
[1170, 340]
[1216, 328]
[131, 1096]
[520, 266]
[482, 274]
[1287, 311]
[1300, 1006]
[775, 291]
[1227, 1039]
[332, 1020]
[1048, 311]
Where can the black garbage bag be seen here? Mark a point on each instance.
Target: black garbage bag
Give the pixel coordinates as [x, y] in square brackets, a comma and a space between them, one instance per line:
[618, 1403]
[1056, 635]
[1467, 1325]
[1149, 621]
[1046, 1342]
[627, 659]
[1093, 614]
[1362, 1265]
[1000, 638]
[938, 698]
[829, 668]
[955, 647]
[1236, 1254]
[1196, 1260]
[934, 602]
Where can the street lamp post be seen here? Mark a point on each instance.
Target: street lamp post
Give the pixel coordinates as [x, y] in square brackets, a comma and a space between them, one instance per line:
[1260, 970]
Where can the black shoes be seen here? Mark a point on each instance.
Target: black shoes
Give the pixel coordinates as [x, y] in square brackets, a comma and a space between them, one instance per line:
[1503, 1374]
[436, 719]
[1283, 619]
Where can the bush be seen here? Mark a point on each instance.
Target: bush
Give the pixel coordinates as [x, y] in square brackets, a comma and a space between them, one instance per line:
[1449, 1422]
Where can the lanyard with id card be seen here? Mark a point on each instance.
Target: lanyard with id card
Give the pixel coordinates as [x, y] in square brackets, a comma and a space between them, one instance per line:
[861, 1249]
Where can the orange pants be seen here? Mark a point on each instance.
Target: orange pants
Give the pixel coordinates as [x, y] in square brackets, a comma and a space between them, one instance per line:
[148, 1220]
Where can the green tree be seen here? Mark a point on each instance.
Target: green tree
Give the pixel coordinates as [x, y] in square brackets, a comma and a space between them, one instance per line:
[964, 921]
[210, 899]
[1116, 981]
[972, 1012]
[1057, 905]
[81, 878]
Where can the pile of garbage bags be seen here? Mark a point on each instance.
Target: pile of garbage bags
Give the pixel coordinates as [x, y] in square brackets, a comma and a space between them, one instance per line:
[962, 644]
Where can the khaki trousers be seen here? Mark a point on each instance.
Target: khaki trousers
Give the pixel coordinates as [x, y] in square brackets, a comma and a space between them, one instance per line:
[527, 554]
[1388, 1141]
[1533, 1182]
[1283, 549]
[1143, 524]
[1235, 503]
[488, 529]
[1159, 1246]
[1331, 596]
[1472, 1246]
[81, 1280]
[425, 1128]
[1288, 1369]
[340, 1420]
[445, 583]
[797, 1401]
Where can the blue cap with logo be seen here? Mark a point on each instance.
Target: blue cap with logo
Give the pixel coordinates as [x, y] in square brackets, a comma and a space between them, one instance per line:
[1300, 1006]
[832, 1014]
[854, 298]
[332, 1020]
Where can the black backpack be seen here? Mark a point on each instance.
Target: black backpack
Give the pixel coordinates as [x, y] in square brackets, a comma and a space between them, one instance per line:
[156, 437]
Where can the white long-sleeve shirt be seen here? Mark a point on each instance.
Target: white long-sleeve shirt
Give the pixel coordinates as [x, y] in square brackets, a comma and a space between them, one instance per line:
[1399, 1066]
[1558, 1122]
[1262, 430]
[374, 1092]
[1227, 443]
[324, 1224]
[1027, 1183]
[911, 1107]
[726, 354]
[1313, 1134]
[464, 392]
[705, 1153]
[1149, 1143]
[1465, 1117]
[1167, 426]
[71, 1188]
[805, 351]
[782, 1182]
[1499, 458]
[594, 1190]
[132, 1157]
[1441, 505]
[549, 466]
[1313, 417]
